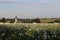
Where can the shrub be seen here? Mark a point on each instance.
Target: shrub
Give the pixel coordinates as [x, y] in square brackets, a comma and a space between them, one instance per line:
[26, 33]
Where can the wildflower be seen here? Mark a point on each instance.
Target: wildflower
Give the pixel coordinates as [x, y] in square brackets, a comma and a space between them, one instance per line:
[3, 34]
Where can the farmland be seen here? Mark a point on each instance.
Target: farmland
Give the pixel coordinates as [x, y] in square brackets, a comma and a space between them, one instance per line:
[30, 31]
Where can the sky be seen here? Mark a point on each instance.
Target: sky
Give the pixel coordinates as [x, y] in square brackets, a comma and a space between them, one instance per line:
[30, 8]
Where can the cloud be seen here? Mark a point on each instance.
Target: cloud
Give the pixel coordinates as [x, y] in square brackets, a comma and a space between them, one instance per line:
[9, 0]
[26, 3]
[40, 3]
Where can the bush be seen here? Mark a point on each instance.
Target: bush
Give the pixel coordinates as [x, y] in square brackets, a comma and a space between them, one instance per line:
[26, 33]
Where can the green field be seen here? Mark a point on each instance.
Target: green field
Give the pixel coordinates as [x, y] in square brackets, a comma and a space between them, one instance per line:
[30, 31]
[37, 25]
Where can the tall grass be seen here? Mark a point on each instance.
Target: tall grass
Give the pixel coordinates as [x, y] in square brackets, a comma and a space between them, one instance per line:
[30, 32]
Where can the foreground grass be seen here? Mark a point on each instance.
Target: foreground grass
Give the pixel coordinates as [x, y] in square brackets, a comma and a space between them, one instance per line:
[27, 31]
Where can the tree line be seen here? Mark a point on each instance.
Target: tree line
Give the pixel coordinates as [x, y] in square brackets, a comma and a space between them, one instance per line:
[36, 20]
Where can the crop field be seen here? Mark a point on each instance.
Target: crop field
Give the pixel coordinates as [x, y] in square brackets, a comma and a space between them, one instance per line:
[30, 31]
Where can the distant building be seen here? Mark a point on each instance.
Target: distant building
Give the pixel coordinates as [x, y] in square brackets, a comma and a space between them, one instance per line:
[16, 19]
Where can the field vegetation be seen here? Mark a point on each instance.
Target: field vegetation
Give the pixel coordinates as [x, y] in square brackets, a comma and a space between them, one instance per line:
[30, 31]
[37, 20]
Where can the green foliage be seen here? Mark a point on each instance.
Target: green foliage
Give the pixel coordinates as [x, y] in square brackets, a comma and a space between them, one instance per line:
[3, 20]
[37, 20]
[27, 21]
[12, 20]
[27, 33]
[57, 21]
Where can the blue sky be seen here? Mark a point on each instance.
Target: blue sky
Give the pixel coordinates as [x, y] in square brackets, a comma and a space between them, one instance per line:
[30, 8]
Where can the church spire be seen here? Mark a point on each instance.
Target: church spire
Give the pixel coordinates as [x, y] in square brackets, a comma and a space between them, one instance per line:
[15, 19]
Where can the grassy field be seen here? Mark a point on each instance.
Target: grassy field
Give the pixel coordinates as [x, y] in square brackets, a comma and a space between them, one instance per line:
[30, 31]
[36, 25]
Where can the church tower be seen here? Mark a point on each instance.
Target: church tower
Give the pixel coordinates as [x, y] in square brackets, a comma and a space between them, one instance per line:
[16, 19]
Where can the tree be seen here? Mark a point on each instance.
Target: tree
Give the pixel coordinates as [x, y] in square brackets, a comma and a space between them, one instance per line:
[12, 20]
[57, 21]
[37, 20]
[3, 20]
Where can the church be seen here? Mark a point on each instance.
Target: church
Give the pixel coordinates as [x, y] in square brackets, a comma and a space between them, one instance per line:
[17, 20]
